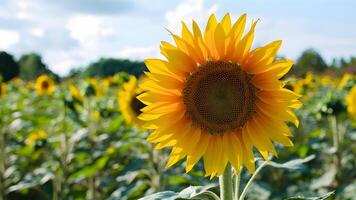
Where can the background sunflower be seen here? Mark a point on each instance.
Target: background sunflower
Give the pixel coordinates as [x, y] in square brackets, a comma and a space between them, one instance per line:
[2, 89]
[129, 105]
[351, 102]
[45, 85]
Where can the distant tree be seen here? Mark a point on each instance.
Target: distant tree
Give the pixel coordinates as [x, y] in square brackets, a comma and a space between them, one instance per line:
[348, 66]
[31, 66]
[75, 72]
[110, 66]
[8, 66]
[310, 60]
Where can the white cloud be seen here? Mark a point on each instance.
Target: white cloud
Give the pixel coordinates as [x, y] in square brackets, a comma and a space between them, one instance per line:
[88, 29]
[138, 53]
[37, 32]
[186, 11]
[24, 10]
[8, 38]
[63, 67]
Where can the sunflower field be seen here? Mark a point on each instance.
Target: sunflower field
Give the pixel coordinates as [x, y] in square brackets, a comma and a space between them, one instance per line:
[105, 138]
[75, 143]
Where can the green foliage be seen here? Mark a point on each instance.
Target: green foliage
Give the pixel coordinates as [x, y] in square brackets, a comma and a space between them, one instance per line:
[91, 153]
[110, 66]
[310, 60]
[31, 66]
[8, 66]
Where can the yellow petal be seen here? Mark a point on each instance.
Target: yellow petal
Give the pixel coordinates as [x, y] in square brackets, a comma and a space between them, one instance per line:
[209, 36]
[243, 47]
[222, 159]
[190, 140]
[200, 149]
[260, 58]
[248, 157]
[165, 81]
[174, 157]
[234, 36]
[220, 41]
[277, 69]
[233, 149]
[180, 60]
[186, 34]
[226, 23]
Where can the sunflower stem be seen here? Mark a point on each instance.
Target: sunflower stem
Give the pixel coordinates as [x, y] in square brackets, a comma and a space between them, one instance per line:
[2, 165]
[237, 179]
[226, 184]
[249, 183]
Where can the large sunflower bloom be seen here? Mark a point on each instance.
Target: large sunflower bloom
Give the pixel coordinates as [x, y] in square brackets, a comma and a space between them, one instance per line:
[129, 105]
[216, 99]
[351, 102]
[44, 85]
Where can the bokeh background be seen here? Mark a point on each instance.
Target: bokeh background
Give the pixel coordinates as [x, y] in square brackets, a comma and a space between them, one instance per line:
[74, 142]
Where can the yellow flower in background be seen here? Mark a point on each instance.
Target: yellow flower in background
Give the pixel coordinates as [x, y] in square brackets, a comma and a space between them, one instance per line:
[326, 80]
[75, 93]
[17, 81]
[110, 151]
[96, 115]
[215, 98]
[308, 78]
[34, 136]
[351, 102]
[107, 82]
[44, 85]
[129, 105]
[344, 80]
[94, 84]
[2, 89]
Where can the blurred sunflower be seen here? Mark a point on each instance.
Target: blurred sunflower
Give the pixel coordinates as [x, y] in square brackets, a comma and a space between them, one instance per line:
[107, 82]
[2, 89]
[44, 85]
[34, 136]
[110, 151]
[130, 106]
[351, 102]
[93, 88]
[75, 93]
[216, 99]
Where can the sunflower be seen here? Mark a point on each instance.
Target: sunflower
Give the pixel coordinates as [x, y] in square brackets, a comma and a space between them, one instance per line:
[44, 85]
[2, 89]
[130, 106]
[351, 102]
[93, 88]
[214, 98]
[34, 136]
[75, 93]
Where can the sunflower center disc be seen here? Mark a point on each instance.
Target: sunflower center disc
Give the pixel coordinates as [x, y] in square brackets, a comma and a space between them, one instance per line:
[219, 97]
[137, 105]
[45, 85]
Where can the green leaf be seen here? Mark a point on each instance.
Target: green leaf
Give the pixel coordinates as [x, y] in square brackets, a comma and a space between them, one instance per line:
[38, 177]
[296, 164]
[197, 192]
[91, 170]
[115, 124]
[167, 195]
[325, 196]
[189, 193]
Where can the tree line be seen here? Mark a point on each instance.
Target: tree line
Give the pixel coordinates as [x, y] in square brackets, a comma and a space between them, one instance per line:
[30, 66]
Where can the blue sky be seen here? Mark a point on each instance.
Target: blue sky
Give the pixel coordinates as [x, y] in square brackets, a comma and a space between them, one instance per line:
[71, 33]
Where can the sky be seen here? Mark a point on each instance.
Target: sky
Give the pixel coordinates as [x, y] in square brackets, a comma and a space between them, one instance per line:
[71, 34]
